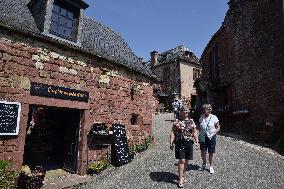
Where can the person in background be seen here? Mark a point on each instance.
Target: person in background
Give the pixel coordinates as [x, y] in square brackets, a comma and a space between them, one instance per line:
[177, 104]
[209, 127]
[182, 137]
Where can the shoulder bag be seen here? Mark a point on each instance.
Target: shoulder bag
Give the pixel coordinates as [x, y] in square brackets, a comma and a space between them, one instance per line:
[201, 136]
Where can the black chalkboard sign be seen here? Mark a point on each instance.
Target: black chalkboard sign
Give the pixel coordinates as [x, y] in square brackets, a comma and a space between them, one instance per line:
[120, 145]
[9, 118]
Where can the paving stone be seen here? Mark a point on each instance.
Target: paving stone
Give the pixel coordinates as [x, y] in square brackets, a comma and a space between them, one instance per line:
[59, 178]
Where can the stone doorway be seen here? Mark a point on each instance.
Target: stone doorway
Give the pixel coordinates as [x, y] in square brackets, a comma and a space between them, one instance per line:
[52, 138]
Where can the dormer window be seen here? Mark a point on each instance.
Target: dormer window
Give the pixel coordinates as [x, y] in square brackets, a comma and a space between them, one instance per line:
[59, 18]
[64, 21]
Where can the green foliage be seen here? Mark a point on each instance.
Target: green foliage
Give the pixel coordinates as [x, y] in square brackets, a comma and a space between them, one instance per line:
[7, 177]
[149, 141]
[98, 166]
[137, 148]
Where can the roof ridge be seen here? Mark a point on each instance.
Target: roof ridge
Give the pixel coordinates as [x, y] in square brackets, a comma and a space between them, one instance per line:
[177, 47]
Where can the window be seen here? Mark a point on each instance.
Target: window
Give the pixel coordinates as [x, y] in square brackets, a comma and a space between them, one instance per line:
[188, 53]
[196, 74]
[64, 21]
[132, 91]
[134, 120]
[214, 64]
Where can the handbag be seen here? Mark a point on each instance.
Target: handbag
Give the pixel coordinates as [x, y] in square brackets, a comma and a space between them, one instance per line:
[201, 136]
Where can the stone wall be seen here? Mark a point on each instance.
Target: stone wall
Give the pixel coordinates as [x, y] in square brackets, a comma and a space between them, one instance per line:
[250, 51]
[187, 82]
[24, 60]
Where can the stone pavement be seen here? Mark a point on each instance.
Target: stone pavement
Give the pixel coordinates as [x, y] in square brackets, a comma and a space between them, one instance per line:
[237, 165]
[62, 179]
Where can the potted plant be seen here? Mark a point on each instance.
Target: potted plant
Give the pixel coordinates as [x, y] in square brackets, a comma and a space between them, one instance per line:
[31, 178]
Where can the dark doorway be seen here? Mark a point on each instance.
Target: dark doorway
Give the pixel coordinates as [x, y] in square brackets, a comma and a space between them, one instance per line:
[193, 101]
[52, 138]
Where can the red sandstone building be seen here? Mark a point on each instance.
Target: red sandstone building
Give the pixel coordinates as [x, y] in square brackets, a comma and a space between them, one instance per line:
[243, 71]
[65, 71]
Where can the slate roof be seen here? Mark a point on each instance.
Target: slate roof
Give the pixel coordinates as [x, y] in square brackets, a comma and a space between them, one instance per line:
[16, 15]
[177, 53]
[95, 37]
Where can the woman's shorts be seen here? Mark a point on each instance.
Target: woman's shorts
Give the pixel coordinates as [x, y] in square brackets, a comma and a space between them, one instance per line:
[209, 144]
[184, 150]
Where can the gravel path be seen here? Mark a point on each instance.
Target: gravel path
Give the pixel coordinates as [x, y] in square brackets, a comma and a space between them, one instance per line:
[238, 165]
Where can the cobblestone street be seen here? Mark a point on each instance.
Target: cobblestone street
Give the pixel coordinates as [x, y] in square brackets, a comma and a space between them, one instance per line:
[237, 165]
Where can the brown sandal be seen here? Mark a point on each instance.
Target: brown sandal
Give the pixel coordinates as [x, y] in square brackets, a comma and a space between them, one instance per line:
[181, 185]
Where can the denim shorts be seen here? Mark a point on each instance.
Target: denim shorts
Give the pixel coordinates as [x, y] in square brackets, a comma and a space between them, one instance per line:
[209, 145]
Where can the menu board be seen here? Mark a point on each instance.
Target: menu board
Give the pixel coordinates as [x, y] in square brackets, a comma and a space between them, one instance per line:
[120, 145]
[9, 117]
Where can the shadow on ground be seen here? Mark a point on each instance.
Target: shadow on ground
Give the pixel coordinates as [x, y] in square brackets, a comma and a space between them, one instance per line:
[170, 120]
[276, 146]
[191, 167]
[166, 177]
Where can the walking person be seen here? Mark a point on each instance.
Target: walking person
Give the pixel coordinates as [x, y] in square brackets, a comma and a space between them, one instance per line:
[209, 127]
[177, 104]
[182, 137]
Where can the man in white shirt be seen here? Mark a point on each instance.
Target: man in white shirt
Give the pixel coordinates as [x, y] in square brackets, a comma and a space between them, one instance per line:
[209, 127]
[177, 104]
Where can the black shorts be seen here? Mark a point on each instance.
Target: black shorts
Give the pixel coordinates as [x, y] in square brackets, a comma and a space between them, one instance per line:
[209, 144]
[184, 150]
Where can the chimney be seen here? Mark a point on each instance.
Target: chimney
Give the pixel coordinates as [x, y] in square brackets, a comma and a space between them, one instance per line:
[154, 58]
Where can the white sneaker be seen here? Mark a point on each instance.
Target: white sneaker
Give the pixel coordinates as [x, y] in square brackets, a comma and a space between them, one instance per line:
[211, 170]
[202, 168]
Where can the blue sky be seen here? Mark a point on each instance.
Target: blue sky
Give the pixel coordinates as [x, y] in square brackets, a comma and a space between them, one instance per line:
[160, 25]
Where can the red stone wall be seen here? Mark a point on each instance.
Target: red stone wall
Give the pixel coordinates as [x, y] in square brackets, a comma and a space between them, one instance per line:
[250, 50]
[24, 60]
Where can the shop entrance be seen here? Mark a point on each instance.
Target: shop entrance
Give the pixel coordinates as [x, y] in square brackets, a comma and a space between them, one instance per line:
[52, 138]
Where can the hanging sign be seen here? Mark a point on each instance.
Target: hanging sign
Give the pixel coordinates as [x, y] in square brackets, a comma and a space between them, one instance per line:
[39, 89]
